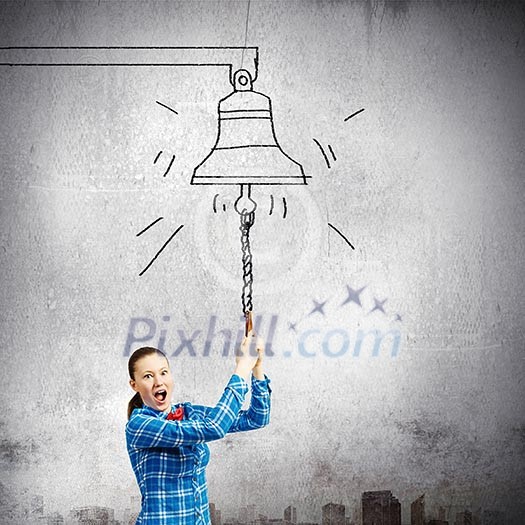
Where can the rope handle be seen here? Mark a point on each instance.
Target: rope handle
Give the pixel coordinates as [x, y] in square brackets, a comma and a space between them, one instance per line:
[249, 323]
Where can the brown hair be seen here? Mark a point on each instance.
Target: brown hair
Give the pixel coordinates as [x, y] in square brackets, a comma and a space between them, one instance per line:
[136, 400]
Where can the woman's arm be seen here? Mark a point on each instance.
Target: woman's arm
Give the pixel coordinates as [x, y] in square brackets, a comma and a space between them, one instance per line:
[258, 415]
[145, 431]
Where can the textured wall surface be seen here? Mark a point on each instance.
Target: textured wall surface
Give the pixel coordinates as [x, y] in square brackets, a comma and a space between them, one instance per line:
[428, 186]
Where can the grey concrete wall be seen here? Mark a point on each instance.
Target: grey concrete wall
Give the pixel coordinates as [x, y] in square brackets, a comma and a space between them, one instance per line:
[428, 186]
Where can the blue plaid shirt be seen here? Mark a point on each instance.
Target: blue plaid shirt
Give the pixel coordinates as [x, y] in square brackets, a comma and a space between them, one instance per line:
[169, 458]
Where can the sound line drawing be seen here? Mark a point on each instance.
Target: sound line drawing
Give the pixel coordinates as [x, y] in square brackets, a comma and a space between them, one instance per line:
[167, 107]
[353, 114]
[169, 166]
[148, 227]
[332, 152]
[160, 251]
[323, 152]
[347, 241]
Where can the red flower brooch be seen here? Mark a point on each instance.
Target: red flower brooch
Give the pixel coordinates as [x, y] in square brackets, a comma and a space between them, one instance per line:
[176, 414]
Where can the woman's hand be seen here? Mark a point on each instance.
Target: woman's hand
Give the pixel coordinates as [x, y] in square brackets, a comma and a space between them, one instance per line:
[258, 367]
[244, 359]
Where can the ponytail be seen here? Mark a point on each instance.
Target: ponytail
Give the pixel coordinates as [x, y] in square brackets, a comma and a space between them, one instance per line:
[134, 402]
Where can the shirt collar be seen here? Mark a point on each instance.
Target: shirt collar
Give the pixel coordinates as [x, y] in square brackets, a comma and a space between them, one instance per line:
[156, 412]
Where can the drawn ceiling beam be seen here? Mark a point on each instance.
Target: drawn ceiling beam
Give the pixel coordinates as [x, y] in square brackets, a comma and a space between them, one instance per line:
[234, 58]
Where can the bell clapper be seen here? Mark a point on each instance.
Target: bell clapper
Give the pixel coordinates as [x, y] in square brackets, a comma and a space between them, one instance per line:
[245, 203]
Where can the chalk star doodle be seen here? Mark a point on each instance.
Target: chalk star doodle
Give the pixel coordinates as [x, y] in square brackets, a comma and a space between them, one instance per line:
[318, 307]
[378, 305]
[353, 296]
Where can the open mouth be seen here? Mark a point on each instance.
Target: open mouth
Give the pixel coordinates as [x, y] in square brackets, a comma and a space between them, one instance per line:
[160, 395]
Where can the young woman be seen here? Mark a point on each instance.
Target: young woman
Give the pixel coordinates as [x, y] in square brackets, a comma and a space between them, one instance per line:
[167, 442]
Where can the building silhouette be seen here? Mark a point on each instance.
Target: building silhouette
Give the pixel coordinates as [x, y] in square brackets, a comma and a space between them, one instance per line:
[247, 515]
[93, 515]
[251, 514]
[442, 513]
[215, 515]
[417, 511]
[377, 508]
[132, 519]
[242, 515]
[333, 514]
[55, 518]
[290, 514]
[463, 518]
[261, 519]
[131, 513]
[380, 508]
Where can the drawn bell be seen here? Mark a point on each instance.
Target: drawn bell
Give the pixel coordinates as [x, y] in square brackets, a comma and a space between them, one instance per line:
[246, 150]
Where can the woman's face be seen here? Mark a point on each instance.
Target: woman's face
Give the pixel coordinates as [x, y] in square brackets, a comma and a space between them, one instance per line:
[153, 381]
